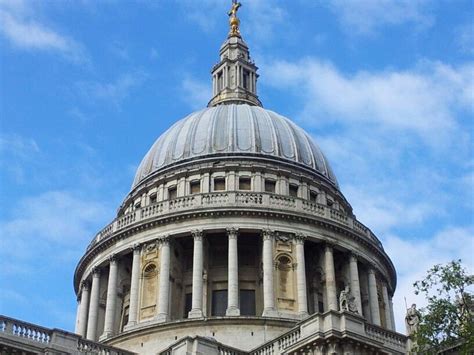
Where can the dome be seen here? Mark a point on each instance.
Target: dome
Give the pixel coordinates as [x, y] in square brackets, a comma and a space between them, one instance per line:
[235, 129]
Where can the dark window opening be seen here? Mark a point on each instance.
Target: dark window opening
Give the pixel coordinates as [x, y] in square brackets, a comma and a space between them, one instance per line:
[220, 81]
[313, 196]
[195, 187]
[244, 183]
[270, 186]
[219, 302]
[172, 193]
[188, 303]
[247, 303]
[246, 83]
[219, 184]
[153, 198]
[293, 190]
[321, 307]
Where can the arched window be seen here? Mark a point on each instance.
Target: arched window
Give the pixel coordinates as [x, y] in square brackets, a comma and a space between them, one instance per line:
[149, 290]
[285, 280]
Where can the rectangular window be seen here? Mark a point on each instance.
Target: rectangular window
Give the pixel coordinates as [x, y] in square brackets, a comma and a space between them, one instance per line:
[246, 83]
[313, 196]
[188, 304]
[172, 193]
[195, 187]
[321, 307]
[220, 81]
[247, 303]
[219, 303]
[270, 186]
[153, 198]
[293, 190]
[219, 184]
[244, 183]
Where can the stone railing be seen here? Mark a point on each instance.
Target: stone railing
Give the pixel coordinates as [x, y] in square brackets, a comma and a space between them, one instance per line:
[31, 337]
[25, 330]
[319, 327]
[391, 339]
[237, 199]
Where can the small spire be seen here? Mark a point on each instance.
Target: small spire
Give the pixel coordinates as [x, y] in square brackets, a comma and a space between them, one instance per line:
[234, 21]
[234, 78]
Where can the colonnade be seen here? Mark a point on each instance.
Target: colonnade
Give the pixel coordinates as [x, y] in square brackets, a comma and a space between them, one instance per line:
[87, 316]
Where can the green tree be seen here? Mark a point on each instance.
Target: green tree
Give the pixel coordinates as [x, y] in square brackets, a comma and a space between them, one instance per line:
[448, 319]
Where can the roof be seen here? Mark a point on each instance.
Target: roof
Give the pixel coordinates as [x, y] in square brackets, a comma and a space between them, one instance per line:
[235, 129]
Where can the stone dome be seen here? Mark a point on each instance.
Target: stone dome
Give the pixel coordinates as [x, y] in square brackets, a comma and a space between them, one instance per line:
[234, 130]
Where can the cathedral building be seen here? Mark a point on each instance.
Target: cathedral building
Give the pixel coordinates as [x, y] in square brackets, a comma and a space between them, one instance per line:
[235, 238]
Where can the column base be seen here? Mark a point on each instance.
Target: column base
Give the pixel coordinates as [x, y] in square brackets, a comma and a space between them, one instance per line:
[233, 312]
[162, 317]
[129, 326]
[270, 312]
[105, 336]
[303, 314]
[195, 313]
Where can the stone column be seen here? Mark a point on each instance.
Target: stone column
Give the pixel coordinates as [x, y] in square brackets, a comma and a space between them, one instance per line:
[78, 311]
[394, 328]
[134, 286]
[373, 298]
[196, 308]
[164, 290]
[233, 274]
[355, 284]
[110, 307]
[330, 278]
[94, 306]
[386, 302]
[268, 290]
[84, 307]
[301, 275]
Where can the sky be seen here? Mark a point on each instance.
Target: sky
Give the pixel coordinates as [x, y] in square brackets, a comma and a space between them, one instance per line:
[385, 87]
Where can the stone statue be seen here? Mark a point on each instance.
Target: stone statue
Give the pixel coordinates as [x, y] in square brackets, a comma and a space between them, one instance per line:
[412, 319]
[347, 301]
[234, 21]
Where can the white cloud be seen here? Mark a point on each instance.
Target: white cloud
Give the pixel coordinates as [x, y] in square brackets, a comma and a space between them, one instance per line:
[18, 25]
[114, 92]
[367, 16]
[197, 93]
[17, 153]
[464, 35]
[422, 100]
[412, 258]
[383, 212]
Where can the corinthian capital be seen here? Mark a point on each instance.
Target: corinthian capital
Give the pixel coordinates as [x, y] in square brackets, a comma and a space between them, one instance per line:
[232, 232]
[268, 234]
[197, 234]
[300, 238]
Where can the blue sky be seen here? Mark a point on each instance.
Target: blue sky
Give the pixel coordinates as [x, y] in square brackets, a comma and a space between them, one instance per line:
[385, 87]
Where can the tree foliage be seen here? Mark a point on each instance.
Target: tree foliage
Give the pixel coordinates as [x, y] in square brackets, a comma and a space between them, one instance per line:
[448, 319]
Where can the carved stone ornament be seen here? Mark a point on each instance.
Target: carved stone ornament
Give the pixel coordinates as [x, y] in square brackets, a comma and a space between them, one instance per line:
[412, 320]
[347, 301]
[197, 234]
[85, 285]
[267, 234]
[300, 238]
[164, 239]
[282, 238]
[112, 258]
[96, 271]
[232, 232]
[136, 247]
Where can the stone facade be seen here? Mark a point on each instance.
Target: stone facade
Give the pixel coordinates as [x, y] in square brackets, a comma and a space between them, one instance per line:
[236, 239]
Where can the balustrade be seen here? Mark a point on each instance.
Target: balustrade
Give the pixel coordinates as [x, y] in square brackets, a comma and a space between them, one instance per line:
[238, 198]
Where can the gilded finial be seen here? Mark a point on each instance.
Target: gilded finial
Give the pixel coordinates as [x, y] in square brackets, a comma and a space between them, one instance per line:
[234, 21]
